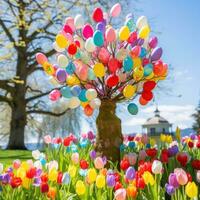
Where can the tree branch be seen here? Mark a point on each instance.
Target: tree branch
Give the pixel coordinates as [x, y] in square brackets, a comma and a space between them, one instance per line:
[44, 112]
[4, 85]
[9, 35]
[5, 99]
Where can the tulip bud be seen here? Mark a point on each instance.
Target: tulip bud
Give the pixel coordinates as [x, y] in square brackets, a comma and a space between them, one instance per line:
[191, 190]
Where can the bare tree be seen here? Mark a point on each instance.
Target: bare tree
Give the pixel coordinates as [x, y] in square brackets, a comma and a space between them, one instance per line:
[26, 27]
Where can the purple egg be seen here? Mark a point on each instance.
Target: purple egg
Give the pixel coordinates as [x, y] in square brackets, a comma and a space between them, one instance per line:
[101, 27]
[129, 16]
[153, 42]
[61, 75]
[156, 54]
[140, 41]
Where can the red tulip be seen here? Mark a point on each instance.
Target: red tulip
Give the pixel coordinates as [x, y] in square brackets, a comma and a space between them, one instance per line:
[44, 187]
[196, 164]
[15, 182]
[44, 177]
[164, 156]
[151, 152]
[118, 185]
[182, 158]
[190, 144]
[67, 141]
[84, 164]
[59, 177]
[124, 164]
[31, 173]
[189, 177]
[140, 183]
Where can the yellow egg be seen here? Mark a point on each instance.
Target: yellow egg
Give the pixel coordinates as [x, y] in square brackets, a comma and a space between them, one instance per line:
[124, 33]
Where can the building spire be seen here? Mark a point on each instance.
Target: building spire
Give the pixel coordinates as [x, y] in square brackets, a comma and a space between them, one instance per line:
[157, 112]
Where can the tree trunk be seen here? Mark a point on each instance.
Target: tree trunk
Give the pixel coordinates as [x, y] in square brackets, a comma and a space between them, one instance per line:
[109, 136]
[17, 127]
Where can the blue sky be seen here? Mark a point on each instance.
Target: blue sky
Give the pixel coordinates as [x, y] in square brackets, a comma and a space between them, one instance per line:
[177, 24]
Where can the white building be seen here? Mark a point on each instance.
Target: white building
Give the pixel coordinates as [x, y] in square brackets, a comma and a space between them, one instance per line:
[156, 125]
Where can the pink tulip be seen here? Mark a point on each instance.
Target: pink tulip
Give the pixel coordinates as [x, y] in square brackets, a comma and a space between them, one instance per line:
[47, 139]
[198, 176]
[16, 164]
[120, 194]
[181, 176]
[75, 158]
[91, 135]
[98, 163]
[131, 157]
[144, 139]
[142, 155]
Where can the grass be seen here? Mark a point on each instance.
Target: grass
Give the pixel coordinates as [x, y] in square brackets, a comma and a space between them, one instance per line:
[7, 156]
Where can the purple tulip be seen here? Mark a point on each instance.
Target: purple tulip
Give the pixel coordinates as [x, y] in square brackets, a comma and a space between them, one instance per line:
[173, 180]
[130, 173]
[192, 136]
[37, 182]
[93, 154]
[104, 160]
[153, 42]
[61, 75]
[173, 150]
[5, 178]
[38, 172]
[110, 180]
[169, 189]
[156, 54]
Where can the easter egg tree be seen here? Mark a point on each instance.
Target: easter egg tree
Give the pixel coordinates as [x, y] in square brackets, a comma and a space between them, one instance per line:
[99, 65]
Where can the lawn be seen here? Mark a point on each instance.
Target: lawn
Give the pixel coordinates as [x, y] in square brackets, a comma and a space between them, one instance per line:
[7, 156]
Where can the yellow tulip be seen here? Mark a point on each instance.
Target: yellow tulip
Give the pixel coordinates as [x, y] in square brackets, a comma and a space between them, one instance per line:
[168, 139]
[25, 165]
[99, 70]
[191, 189]
[53, 174]
[148, 178]
[163, 137]
[21, 172]
[72, 170]
[26, 182]
[152, 142]
[92, 174]
[80, 187]
[129, 91]
[61, 41]
[100, 181]
[178, 134]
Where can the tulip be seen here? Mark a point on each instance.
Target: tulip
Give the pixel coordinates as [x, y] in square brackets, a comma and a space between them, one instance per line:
[21, 172]
[93, 154]
[44, 187]
[91, 175]
[47, 139]
[26, 183]
[90, 135]
[173, 180]
[198, 176]
[124, 164]
[80, 188]
[15, 182]
[110, 180]
[120, 194]
[52, 193]
[130, 173]
[16, 164]
[148, 178]
[191, 189]
[98, 163]
[52, 165]
[169, 189]
[84, 164]
[157, 167]
[181, 176]
[131, 191]
[132, 158]
[36, 154]
[100, 181]
[75, 158]
[142, 155]
[31, 173]
[53, 174]
[72, 171]
[66, 178]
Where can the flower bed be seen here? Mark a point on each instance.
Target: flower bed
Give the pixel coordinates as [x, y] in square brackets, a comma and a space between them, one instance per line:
[71, 169]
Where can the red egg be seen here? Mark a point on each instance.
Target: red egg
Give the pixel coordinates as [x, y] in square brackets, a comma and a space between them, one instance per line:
[112, 80]
[88, 110]
[67, 29]
[113, 65]
[72, 49]
[149, 85]
[147, 95]
[97, 15]
[142, 101]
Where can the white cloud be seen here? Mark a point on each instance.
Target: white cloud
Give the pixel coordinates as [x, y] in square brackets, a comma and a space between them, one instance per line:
[134, 122]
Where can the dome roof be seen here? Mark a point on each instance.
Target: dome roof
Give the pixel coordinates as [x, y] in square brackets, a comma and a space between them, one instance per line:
[157, 119]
